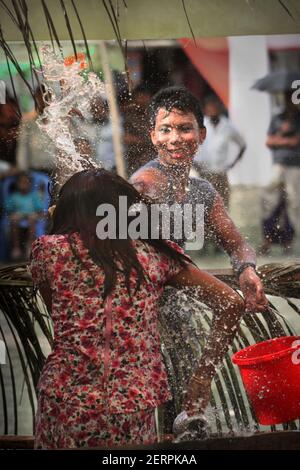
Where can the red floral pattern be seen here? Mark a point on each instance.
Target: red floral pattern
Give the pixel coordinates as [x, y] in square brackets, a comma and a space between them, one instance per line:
[65, 426]
[74, 371]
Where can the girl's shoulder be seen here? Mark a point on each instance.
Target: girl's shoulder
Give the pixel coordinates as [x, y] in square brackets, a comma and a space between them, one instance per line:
[53, 243]
[50, 240]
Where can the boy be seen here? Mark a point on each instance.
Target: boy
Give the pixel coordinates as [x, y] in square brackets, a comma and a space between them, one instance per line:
[177, 130]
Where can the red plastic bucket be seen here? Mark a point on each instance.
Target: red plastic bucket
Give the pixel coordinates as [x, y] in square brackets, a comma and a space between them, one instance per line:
[271, 375]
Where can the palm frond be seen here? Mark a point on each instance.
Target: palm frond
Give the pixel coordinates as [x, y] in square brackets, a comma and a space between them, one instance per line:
[188, 21]
[27, 334]
[288, 11]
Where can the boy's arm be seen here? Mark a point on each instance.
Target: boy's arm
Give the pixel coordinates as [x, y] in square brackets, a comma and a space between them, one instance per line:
[242, 255]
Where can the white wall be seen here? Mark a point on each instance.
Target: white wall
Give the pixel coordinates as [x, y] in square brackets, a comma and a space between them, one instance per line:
[250, 110]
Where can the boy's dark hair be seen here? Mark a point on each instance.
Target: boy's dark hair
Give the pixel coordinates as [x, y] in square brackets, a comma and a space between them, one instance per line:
[175, 97]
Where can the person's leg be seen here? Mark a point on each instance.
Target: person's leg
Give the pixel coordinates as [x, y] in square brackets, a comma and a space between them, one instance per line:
[270, 200]
[292, 179]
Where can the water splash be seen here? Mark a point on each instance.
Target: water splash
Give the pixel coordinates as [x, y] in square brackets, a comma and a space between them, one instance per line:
[68, 94]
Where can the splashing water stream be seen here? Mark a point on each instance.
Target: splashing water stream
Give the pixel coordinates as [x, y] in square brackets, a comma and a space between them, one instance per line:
[69, 94]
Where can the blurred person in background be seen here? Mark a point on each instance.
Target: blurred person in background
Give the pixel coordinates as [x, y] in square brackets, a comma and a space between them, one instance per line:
[281, 199]
[35, 150]
[138, 147]
[23, 205]
[101, 133]
[214, 159]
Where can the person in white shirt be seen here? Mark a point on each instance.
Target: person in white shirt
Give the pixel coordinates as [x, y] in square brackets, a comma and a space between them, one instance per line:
[214, 157]
[35, 150]
[101, 133]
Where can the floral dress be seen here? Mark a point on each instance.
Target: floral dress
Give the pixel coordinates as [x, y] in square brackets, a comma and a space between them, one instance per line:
[105, 375]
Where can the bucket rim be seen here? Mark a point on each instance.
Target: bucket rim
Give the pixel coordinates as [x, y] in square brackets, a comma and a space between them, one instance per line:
[253, 361]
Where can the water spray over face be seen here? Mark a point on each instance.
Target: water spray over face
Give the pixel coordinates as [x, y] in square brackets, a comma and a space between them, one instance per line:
[68, 97]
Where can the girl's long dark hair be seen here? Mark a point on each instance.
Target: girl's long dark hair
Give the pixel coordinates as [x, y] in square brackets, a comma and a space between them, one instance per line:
[75, 211]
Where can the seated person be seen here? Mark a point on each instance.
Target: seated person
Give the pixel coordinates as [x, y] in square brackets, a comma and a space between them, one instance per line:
[24, 207]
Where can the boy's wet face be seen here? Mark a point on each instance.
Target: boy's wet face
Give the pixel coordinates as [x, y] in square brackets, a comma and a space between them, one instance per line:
[176, 136]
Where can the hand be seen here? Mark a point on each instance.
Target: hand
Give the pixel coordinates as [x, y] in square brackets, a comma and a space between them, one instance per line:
[51, 210]
[197, 396]
[253, 291]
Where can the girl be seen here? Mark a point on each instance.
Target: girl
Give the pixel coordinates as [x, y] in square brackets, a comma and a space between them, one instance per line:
[105, 375]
